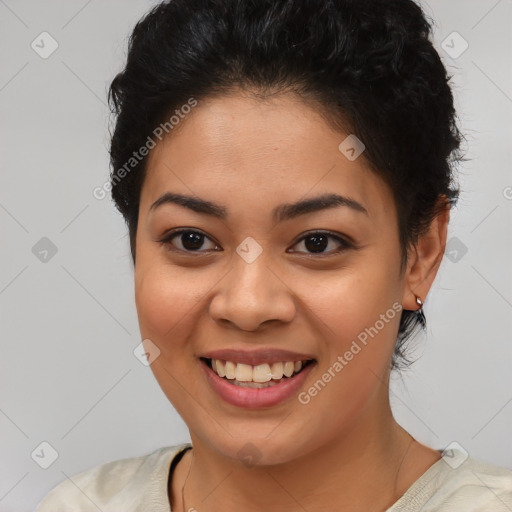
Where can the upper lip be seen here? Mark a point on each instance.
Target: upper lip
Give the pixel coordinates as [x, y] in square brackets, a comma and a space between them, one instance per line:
[256, 357]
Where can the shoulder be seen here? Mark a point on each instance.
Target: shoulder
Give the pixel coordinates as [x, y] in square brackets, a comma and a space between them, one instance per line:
[480, 485]
[114, 485]
[459, 483]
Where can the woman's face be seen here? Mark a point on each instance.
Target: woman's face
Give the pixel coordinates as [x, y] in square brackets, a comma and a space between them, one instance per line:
[254, 275]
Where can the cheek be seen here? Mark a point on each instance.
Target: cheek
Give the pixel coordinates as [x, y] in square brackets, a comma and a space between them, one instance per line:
[165, 299]
[361, 312]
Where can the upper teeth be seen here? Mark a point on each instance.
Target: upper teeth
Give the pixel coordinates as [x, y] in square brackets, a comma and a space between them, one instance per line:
[260, 373]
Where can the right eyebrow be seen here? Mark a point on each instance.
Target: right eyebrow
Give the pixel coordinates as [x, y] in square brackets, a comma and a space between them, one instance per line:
[192, 203]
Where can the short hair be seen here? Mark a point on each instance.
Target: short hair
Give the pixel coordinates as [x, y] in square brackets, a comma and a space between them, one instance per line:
[368, 65]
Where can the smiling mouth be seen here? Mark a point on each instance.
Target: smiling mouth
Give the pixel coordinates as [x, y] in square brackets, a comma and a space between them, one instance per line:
[256, 377]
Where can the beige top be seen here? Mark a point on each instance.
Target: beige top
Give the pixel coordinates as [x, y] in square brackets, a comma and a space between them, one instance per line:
[139, 484]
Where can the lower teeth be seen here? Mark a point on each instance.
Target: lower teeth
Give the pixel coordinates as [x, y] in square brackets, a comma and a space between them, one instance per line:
[257, 385]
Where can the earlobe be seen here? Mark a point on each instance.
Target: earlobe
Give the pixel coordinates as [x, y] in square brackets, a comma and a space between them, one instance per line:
[424, 259]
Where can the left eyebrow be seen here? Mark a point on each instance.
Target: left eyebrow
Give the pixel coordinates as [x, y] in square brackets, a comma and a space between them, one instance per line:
[280, 213]
[322, 202]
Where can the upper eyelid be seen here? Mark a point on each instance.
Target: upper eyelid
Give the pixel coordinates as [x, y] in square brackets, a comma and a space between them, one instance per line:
[342, 238]
[169, 236]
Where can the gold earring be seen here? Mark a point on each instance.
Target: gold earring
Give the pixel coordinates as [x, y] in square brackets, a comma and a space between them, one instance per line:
[419, 312]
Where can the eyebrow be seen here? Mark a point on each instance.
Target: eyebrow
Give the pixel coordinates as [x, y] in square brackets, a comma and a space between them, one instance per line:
[280, 213]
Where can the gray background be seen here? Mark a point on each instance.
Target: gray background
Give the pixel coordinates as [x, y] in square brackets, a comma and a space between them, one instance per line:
[69, 328]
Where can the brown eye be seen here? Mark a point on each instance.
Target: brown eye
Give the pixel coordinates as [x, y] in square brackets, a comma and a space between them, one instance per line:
[187, 240]
[319, 243]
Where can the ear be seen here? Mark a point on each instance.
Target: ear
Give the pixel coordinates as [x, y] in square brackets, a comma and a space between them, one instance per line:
[424, 258]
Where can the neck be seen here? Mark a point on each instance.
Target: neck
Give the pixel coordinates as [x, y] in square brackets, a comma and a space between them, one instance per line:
[367, 468]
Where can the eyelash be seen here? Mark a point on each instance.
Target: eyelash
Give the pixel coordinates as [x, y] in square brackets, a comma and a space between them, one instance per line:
[166, 241]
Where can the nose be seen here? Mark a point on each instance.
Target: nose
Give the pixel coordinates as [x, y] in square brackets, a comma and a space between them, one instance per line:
[252, 294]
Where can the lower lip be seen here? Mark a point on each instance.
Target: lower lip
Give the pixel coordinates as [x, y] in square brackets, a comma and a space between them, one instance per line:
[252, 398]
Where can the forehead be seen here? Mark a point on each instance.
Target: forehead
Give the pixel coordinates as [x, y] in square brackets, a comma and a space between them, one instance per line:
[259, 153]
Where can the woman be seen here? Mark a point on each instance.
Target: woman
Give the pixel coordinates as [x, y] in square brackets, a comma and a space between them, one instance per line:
[285, 171]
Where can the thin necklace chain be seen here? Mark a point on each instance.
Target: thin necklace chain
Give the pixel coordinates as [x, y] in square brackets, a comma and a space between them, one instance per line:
[395, 497]
[394, 490]
[183, 487]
